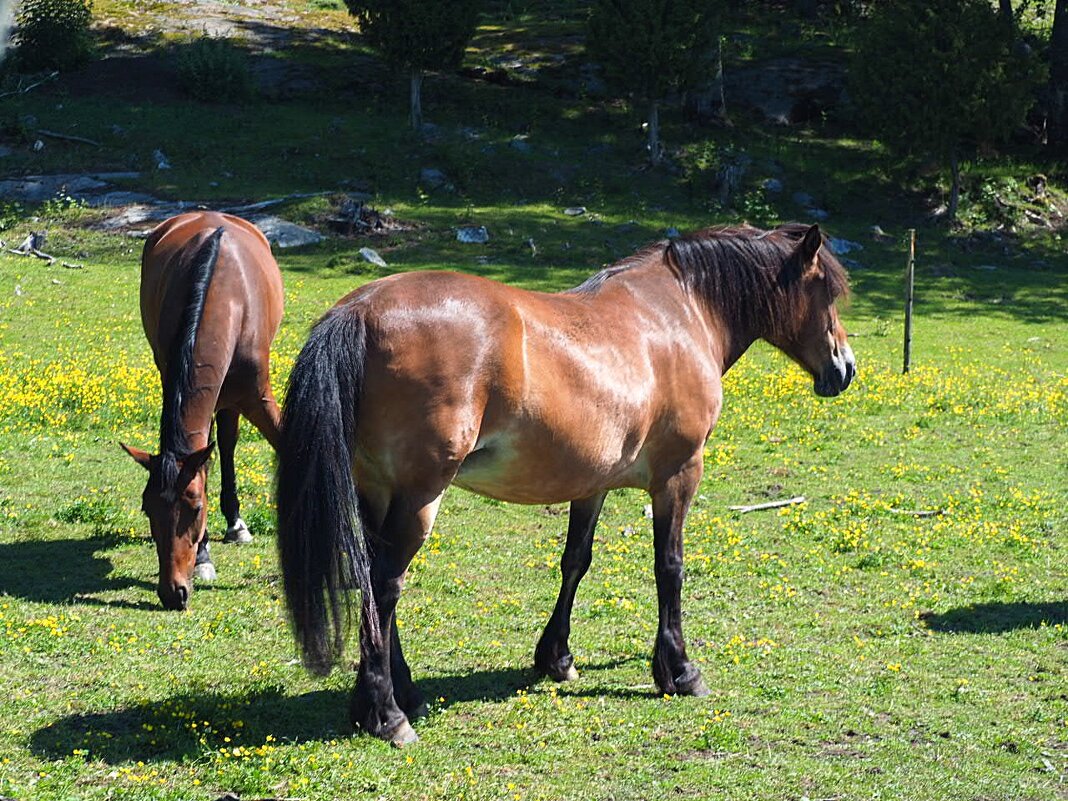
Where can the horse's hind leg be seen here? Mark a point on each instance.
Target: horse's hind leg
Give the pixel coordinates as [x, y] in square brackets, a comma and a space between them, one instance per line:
[672, 669]
[385, 695]
[552, 656]
[226, 424]
[265, 415]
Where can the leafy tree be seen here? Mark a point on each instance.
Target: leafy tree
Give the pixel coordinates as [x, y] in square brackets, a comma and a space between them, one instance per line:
[938, 79]
[418, 36]
[54, 34]
[649, 48]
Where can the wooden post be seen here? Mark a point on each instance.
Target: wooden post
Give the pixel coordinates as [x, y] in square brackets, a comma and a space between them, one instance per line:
[910, 273]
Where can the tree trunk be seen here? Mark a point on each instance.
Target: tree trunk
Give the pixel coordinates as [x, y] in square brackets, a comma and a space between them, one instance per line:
[654, 133]
[954, 192]
[415, 109]
[1006, 13]
[721, 112]
[1058, 77]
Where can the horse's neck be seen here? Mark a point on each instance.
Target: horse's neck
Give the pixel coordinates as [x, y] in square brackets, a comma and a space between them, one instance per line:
[653, 283]
[198, 408]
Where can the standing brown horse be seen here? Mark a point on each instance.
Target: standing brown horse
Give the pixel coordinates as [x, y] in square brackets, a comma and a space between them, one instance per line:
[211, 302]
[421, 380]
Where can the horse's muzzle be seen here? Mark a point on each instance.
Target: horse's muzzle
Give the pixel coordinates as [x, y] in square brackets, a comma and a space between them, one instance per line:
[838, 374]
[174, 597]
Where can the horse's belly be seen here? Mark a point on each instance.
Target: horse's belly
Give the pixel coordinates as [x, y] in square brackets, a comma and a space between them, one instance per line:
[508, 471]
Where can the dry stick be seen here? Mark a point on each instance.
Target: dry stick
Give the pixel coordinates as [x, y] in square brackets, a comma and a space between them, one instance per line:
[46, 79]
[68, 137]
[769, 505]
[918, 512]
[910, 273]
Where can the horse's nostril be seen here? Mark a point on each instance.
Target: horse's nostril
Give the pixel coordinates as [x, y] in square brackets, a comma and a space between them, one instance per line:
[183, 596]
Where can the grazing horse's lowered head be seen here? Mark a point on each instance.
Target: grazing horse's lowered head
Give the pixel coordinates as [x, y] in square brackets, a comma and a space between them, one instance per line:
[174, 500]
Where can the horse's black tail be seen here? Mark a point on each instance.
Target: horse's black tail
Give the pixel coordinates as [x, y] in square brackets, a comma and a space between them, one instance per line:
[321, 539]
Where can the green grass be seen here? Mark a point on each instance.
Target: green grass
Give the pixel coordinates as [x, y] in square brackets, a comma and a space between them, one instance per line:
[852, 651]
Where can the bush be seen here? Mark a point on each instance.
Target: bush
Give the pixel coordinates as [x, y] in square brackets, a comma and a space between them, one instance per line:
[214, 70]
[53, 34]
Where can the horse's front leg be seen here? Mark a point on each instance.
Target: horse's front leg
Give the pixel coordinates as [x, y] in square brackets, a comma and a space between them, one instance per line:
[553, 656]
[672, 669]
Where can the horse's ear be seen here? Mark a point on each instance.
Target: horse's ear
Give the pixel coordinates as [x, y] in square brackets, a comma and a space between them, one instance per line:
[143, 458]
[193, 462]
[811, 242]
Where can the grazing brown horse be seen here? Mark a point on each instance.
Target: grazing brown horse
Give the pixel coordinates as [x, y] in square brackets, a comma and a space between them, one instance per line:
[421, 380]
[211, 302]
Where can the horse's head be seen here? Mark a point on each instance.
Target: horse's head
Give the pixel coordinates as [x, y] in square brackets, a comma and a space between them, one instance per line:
[174, 501]
[813, 336]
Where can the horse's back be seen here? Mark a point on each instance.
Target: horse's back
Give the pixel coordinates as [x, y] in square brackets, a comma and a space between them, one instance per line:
[243, 305]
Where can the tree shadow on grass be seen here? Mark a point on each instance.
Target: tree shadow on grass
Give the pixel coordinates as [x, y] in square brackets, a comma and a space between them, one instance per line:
[994, 618]
[61, 571]
[189, 724]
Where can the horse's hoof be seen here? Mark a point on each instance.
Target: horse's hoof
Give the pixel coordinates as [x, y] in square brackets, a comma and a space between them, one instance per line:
[691, 683]
[404, 735]
[205, 571]
[563, 669]
[238, 533]
[568, 675]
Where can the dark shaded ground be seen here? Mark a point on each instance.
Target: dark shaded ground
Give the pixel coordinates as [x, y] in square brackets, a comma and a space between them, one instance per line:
[996, 618]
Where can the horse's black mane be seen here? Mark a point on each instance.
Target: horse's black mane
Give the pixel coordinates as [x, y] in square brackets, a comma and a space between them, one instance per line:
[178, 381]
[748, 276]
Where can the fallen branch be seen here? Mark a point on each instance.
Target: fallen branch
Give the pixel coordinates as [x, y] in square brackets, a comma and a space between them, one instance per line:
[68, 137]
[769, 505]
[33, 252]
[24, 90]
[263, 204]
[70, 266]
[918, 512]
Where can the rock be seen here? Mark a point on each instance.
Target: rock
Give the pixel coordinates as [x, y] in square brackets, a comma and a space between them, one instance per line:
[371, 255]
[986, 267]
[672, 233]
[575, 211]
[285, 234]
[803, 199]
[112, 199]
[773, 186]
[472, 234]
[38, 146]
[851, 264]
[146, 212]
[160, 160]
[39, 188]
[817, 214]
[432, 178]
[843, 246]
[520, 143]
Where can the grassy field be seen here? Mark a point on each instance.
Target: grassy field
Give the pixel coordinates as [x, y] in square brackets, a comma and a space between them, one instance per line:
[853, 650]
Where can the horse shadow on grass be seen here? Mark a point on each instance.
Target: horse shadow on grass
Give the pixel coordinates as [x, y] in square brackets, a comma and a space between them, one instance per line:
[184, 725]
[996, 618]
[65, 571]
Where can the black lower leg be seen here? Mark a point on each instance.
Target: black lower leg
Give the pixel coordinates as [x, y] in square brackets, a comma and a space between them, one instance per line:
[552, 655]
[226, 424]
[672, 669]
[405, 692]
